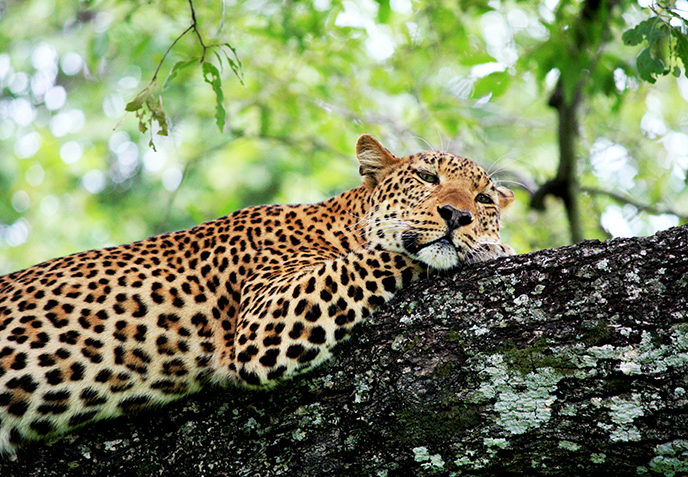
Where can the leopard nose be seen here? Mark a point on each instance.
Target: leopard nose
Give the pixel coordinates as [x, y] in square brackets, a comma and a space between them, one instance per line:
[454, 217]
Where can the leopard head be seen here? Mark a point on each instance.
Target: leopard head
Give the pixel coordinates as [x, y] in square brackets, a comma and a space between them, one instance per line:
[435, 207]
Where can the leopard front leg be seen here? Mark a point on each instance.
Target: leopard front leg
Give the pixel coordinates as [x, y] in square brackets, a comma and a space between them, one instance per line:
[295, 327]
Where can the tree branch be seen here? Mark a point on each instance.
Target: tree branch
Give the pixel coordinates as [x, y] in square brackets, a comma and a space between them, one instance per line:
[570, 361]
[635, 203]
[565, 184]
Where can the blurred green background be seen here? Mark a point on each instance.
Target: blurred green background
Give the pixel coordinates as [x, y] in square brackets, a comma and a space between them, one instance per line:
[470, 77]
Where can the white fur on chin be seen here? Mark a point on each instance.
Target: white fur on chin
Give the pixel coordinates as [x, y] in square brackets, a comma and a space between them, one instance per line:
[441, 256]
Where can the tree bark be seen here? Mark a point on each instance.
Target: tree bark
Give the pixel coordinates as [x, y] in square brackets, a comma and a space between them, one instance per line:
[570, 361]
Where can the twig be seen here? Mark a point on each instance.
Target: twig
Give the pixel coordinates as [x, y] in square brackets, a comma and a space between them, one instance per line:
[194, 25]
[162, 60]
[222, 21]
[667, 9]
[638, 205]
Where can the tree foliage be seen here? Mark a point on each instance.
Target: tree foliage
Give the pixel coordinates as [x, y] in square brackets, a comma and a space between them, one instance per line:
[665, 44]
[247, 102]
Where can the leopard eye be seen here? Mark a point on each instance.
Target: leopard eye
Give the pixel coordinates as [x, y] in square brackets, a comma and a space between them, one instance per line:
[427, 177]
[483, 199]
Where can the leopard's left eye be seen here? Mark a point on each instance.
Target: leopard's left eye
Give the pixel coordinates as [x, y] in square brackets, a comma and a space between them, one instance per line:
[427, 177]
[483, 199]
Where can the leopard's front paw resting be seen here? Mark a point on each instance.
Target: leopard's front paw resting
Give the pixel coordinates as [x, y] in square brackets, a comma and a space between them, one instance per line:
[506, 250]
[489, 251]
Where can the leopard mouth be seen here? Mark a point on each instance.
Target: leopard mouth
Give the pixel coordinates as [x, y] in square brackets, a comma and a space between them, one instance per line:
[410, 241]
[440, 253]
[444, 241]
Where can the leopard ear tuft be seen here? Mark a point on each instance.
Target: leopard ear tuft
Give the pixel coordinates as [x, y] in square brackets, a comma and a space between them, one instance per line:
[375, 160]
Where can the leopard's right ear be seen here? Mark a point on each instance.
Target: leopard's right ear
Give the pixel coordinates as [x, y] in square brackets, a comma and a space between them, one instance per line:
[374, 159]
[506, 197]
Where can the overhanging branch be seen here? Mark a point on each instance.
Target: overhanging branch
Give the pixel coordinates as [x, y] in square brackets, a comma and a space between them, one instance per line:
[624, 199]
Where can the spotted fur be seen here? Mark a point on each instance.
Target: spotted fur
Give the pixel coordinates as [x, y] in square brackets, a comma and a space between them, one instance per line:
[251, 298]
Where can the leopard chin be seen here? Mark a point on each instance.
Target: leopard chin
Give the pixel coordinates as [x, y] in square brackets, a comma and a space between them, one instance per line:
[443, 255]
[440, 254]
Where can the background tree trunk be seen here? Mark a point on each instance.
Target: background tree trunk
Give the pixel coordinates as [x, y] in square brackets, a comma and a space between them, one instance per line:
[562, 362]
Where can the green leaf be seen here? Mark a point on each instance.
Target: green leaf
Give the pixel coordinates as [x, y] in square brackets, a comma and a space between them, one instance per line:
[136, 103]
[178, 66]
[632, 37]
[383, 11]
[681, 49]
[148, 108]
[645, 30]
[648, 66]
[235, 62]
[157, 114]
[495, 84]
[212, 76]
[219, 60]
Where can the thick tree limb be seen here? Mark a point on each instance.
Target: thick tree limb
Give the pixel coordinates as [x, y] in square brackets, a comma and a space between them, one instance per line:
[570, 361]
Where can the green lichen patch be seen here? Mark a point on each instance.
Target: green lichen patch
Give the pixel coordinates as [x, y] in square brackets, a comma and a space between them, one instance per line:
[520, 410]
[658, 359]
[622, 412]
[427, 460]
[444, 370]
[455, 335]
[538, 354]
[520, 402]
[500, 285]
[470, 459]
[498, 442]
[671, 458]
[424, 424]
[569, 446]
[596, 334]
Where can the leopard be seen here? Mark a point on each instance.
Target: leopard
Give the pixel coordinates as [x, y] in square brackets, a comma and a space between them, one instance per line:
[250, 299]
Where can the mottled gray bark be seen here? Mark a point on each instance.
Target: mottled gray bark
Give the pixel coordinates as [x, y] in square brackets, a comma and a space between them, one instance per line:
[563, 362]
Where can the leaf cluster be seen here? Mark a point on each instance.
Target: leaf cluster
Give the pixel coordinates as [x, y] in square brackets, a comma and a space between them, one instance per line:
[664, 45]
[147, 105]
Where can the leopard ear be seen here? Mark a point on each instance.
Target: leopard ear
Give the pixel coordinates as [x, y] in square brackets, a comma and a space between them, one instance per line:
[506, 197]
[375, 160]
